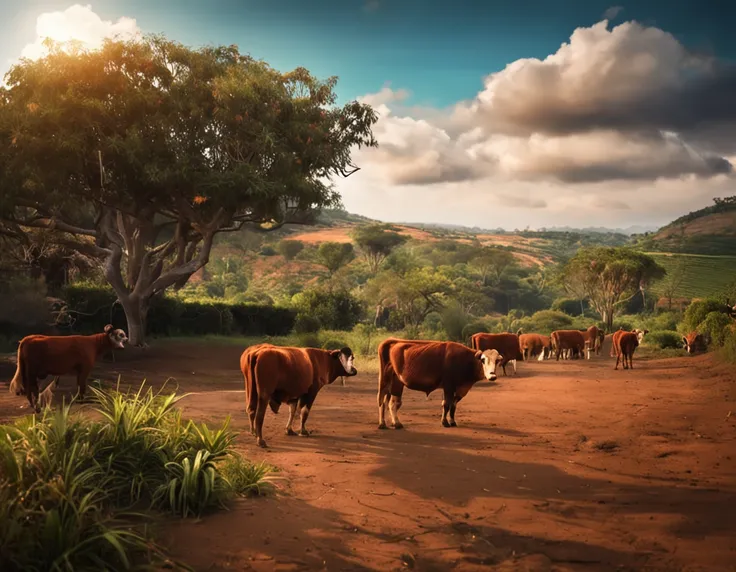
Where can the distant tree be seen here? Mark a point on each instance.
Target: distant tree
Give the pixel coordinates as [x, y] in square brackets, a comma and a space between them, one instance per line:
[670, 285]
[376, 244]
[335, 255]
[491, 263]
[611, 276]
[290, 248]
[138, 154]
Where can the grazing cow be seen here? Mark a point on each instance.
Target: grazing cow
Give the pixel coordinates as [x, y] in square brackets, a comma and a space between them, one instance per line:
[275, 375]
[568, 342]
[593, 340]
[535, 345]
[505, 344]
[625, 344]
[694, 342]
[41, 356]
[426, 366]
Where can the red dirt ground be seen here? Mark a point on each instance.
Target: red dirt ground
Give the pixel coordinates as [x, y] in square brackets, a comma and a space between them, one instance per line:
[569, 466]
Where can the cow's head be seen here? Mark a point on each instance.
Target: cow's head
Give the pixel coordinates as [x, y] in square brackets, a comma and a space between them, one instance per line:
[640, 334]
[693, 342]
[489, 359]
[116, 336]
[347, 359]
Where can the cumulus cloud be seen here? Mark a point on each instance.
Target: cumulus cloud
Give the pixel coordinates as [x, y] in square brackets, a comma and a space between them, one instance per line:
[79, 23]
[628, 103]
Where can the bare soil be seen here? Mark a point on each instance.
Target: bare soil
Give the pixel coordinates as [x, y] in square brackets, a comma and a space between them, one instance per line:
[568, 466]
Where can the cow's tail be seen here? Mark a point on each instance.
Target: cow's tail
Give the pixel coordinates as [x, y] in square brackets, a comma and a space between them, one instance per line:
[16, 384]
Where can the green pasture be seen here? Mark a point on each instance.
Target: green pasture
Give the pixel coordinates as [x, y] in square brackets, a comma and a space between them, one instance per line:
[704, 275]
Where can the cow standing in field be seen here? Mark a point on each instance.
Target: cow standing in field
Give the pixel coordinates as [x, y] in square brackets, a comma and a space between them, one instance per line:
[425, 366]
[564, 341]
[505, 344]
[625, 344]
[694, 342]
[593, 340]
[275, 375]
[535, 345]
[40, 356]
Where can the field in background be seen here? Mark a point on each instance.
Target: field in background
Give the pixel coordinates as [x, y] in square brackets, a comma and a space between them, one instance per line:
[705, 275]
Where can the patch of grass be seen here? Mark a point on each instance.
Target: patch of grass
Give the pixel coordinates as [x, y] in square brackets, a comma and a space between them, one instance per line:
[76, 494]
[704, 275]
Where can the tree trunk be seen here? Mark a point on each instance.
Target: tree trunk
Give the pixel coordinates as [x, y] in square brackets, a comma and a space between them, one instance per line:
[136, 315]
[582, 310]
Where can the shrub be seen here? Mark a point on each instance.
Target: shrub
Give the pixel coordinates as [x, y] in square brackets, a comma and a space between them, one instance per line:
[715, 327]
[290, 248]
[454, 320]
[267, 251]
[308, 340]
[334, 309]
[306, 324]
[475, 327]
[570, 306]
[69, 482]
[728, 351]
[696, 313]
[544, 322]
[664, 339]
[333, 345]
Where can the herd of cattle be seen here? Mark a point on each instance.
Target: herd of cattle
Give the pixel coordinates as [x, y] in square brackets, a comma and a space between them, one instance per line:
[275, 375]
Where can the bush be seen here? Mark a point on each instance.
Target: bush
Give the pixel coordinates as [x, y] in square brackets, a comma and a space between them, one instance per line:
[306, 324]
[454, 320]
[728, 351]
[268, 251]
[333, 345]
[91, 307]
[543, 322]
[68, 482]
[290, 248]
[696, 313]
[569, 306]
[664, 339]
[333, 309]
[715, 327]
[476, 327]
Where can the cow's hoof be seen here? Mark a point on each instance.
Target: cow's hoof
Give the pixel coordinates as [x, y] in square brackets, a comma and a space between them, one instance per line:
[398, 425]
[261, 443]
[290, 432]
[304, 433]
[453, 424]
[382, 426]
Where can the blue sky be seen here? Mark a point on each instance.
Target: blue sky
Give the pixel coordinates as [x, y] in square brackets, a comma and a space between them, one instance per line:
[438, 51]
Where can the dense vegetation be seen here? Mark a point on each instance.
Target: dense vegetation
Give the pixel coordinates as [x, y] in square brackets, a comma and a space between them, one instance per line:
[77, 495]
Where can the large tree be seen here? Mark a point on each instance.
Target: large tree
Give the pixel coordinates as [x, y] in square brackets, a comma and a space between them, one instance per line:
[376, 242]
[611, 276]
[139, 153]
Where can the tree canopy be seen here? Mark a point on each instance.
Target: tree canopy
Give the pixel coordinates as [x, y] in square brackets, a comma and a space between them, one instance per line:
[335, 255]
[137, 154]
[376, 243]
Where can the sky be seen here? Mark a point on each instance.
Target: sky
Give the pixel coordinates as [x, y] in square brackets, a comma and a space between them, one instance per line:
[512, 114]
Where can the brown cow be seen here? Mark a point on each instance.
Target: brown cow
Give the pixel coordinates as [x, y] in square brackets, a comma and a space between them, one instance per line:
[41, 356]
[506, 344]
[425, 366]
[694, 342]
[535, 345]
[625, 344]
[593, 340]
[572, 341]
[275, 375]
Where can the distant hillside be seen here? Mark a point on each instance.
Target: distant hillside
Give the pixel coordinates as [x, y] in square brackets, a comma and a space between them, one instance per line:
[711, 230]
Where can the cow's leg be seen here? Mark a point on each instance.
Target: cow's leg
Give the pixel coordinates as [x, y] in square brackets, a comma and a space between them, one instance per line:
[513, 363]
[30, 384]
[394, 404]
[305, 403]
[82, 375]
[448, 403]
[261, 407]
[618, 358]
[631, 360]
[383, 397]
[292, 414]
[541, 355]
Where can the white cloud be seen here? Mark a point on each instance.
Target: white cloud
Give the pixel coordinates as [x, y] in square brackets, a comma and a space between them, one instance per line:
[619, 123]
[79, 23]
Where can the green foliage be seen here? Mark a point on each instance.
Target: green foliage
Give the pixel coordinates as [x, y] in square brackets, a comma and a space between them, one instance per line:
[24, 308]
[570, 306]
[290, 248]
[544, 322]
[68, 482]
[306, 324]
[454, 321]
[333, 344]
[335, 255]
[476, 327]
[727, 352]
[377, 243]
[268, 250]
[664, 339]
[696, 313]
[715, 327]
[91, 307]
[333, 309]
[720, 205]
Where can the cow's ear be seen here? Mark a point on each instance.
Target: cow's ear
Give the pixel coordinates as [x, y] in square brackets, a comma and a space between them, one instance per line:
[335, 354]
[479, 355]
[108, 328]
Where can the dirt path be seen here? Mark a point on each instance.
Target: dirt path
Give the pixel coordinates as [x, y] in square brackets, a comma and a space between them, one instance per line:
[570, 466]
